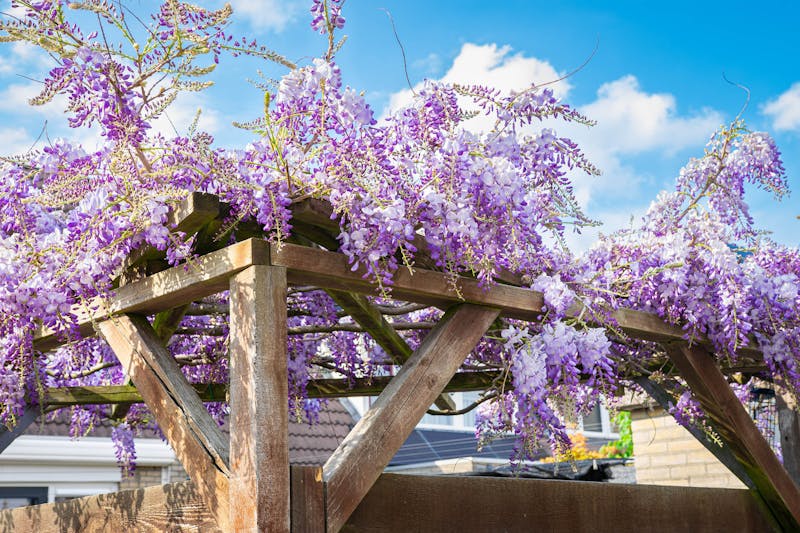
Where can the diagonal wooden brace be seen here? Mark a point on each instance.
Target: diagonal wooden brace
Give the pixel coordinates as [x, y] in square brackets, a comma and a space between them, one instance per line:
[259, 421]
[28, 417]
[361, 457]
[698, 367]
[365, 314]
[194, 436]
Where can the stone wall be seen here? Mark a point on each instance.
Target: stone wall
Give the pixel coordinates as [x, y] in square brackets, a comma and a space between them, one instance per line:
[667, 454]
[143, 476]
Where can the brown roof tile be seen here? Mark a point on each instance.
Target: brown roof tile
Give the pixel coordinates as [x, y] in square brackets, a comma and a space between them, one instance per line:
[308, 444]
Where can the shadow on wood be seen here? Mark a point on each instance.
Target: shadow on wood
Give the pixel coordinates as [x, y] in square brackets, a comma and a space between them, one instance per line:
[423, 503]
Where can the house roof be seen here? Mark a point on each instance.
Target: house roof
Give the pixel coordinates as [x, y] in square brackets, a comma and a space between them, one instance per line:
[428, 445]
[308, 444]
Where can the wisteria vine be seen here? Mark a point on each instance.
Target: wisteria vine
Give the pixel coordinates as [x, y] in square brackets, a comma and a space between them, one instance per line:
[417, 187]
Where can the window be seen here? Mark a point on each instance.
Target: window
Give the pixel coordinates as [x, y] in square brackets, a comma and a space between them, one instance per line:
[463, 422]
[11, 497]
[598, 423]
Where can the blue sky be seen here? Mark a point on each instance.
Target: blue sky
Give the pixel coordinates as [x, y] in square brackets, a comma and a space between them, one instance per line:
[655, 84]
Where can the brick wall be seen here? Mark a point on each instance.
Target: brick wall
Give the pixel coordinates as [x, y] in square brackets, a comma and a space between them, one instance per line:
[667, 454]
[144, 476]
[147, 476]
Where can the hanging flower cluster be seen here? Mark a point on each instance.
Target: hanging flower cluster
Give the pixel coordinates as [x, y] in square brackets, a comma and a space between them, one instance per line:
[417, 187]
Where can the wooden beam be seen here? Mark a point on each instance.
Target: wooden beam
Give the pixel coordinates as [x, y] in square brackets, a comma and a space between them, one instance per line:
[218, 392]
[330, 270]
[699, 369]
[194, 436]
[189, 217]
[209, 274]
[259, 419]
[170, 288]
[368, 448]
[121, 394]
[373, 322]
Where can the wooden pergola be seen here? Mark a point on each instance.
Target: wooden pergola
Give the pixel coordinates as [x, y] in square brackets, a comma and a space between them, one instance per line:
[245, 483]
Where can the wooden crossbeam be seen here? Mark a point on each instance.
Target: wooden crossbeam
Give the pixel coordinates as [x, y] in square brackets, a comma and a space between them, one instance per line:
[364, 453]
[194, 436]
[330, 270]
[189, 216]
[698, 368]
[259, 419]
[209, 274]
[121, 394]
[170, 288]
[217, 392]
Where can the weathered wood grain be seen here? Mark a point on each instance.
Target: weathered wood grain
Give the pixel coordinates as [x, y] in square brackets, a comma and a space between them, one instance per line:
[425, 503]
[308, 500]
[259, 419]
[698, 368]
[484, 504]
[194, 436]
[121, 394]
[170, 288]
[368, 448]
[176, 507]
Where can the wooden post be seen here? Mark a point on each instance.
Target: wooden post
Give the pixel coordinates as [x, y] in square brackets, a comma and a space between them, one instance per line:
[789, 425]
[194, 436]
[368, 448]
[259, 421]
[308, 500]
[698, 367]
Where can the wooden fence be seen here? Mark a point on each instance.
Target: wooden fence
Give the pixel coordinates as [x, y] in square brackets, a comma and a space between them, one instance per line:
[423, 503]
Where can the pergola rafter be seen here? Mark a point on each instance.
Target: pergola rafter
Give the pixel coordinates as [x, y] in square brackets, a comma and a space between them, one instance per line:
[245, 482]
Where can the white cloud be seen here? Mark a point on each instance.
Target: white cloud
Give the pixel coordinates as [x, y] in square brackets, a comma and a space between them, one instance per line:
[16, 12]
[785, 110]
[14, 141]
[267, 14]
[630, 120]
[492, 65]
